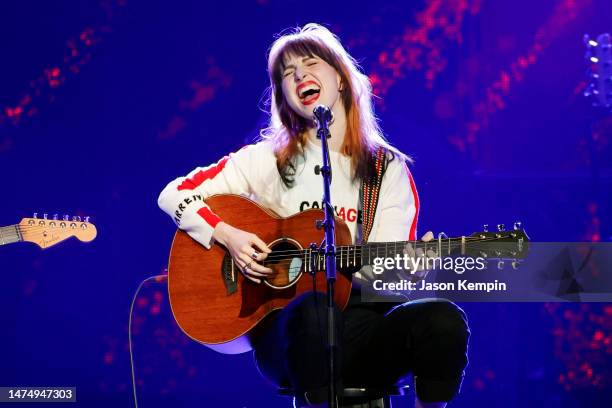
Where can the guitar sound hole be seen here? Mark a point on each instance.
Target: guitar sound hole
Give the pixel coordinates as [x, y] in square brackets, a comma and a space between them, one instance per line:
[287, 261]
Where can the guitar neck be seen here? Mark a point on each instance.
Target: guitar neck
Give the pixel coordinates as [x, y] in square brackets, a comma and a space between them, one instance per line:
[10, 234]
[501, 244]
[361, 255]
[509, 244]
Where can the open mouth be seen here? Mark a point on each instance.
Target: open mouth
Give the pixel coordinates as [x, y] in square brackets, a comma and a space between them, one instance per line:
[308, 92]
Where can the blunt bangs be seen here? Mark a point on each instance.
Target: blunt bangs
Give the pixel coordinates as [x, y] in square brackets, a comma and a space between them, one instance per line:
[300, 47]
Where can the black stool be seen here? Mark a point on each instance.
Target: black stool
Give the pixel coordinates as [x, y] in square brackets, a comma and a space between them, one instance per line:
[362, 397]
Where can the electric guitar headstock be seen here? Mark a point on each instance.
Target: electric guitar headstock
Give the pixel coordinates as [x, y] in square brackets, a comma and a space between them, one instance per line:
[46, 232]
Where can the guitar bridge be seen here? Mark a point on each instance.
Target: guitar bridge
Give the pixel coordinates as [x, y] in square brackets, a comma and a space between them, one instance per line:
[229, 273]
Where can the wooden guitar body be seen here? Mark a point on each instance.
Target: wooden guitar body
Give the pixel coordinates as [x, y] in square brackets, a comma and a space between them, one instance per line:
[215, 304]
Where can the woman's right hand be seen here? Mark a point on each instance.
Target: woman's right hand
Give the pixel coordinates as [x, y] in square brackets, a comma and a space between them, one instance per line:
[246, 249]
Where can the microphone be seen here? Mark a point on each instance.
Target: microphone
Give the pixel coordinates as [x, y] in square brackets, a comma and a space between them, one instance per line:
[323, 116]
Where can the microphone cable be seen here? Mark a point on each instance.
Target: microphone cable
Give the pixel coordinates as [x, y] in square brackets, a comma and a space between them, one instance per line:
[130, 333]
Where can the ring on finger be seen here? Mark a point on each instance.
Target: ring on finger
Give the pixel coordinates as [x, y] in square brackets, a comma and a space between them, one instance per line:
[255, 254]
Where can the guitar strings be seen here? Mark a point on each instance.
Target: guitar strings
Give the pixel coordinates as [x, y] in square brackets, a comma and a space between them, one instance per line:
[377, 247]
[346, 263]
[357, 253]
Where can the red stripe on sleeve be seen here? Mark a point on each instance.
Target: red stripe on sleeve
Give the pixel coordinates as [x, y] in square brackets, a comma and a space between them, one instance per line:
[412, 235]
[210, 217]
[203, 175]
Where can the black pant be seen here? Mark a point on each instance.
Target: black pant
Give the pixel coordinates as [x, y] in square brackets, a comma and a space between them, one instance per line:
[426, 337]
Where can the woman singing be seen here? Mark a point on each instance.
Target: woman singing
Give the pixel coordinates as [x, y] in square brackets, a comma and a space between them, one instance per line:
[378, 346]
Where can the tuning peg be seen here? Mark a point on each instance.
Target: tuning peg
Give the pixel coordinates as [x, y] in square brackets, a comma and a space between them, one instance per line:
[76, 218]
[500, 264]
[45, 216]
[65, 217]
[35, 215]
[501, 227]
[517, 225]
[485, 227]
[55, 216]
[86, 219]
[515, 264]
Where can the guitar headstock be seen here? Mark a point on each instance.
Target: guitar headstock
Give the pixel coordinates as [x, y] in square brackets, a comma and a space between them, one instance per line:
[599, 58]
[46, 232]
[500, 244]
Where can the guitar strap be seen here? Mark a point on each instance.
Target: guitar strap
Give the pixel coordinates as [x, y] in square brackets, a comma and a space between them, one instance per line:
[369, 194]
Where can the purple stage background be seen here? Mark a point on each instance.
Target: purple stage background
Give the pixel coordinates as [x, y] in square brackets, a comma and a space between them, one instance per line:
[104, 102]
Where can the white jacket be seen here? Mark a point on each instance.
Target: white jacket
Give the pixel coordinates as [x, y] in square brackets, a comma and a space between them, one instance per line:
[252, 172]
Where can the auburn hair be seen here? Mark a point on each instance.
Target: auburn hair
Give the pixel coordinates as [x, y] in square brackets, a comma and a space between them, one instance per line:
[286, 129]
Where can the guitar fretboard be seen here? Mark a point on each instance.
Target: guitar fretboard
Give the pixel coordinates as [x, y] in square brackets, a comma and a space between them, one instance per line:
[360, 255]
[9, 234]
[356, 256]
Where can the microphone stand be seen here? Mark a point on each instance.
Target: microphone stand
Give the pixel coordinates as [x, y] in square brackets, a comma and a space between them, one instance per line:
[328, 247]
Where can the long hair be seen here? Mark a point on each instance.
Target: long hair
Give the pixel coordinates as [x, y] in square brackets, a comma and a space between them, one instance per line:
[286, 129]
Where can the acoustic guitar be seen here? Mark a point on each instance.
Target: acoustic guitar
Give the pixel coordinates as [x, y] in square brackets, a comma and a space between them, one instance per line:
[48, 232]
[214, 304]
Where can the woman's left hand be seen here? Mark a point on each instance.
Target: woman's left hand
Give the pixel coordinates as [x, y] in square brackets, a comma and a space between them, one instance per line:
[421, 271]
